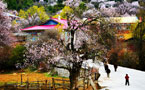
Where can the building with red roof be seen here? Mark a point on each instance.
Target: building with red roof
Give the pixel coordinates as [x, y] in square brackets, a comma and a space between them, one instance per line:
[52, 23]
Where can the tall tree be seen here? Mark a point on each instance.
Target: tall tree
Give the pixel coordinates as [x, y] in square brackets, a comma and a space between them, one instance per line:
[34, 15]
[139, 36]
[81, 45]
[5, 25]
[6, 38]
[53, 9]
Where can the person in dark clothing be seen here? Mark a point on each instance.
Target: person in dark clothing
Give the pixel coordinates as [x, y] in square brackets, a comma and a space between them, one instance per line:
[106, 67]
[108, 72]
[127, 80]
[115, 67]
[97, 75]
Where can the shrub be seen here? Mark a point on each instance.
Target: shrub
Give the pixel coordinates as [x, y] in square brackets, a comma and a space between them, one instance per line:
[129, 59]
[4, 57]
[17, 55]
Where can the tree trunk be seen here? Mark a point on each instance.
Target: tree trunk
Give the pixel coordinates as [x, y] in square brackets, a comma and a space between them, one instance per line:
[72, 40]
[74, 74]
[141, 52]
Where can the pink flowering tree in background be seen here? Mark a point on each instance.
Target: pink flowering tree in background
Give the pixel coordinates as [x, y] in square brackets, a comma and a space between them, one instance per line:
[126, 8]
[83, 44]
[6, 38]
[5, 25]
[116, 9]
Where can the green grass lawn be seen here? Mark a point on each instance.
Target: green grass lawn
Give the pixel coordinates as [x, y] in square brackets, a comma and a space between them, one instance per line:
[2, 83]
[50, 75]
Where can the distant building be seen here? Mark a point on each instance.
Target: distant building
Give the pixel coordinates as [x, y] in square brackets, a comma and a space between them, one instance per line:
[123, 26]
[20, 38]
[34, 32]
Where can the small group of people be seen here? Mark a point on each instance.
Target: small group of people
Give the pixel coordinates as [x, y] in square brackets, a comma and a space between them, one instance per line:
[108, 71]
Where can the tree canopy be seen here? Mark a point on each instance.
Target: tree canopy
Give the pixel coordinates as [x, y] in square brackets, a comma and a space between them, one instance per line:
[34, 15]
[6, 38]
[83, 43]
[53, 9]
[19, 4]
[5, 26]
[139, 38]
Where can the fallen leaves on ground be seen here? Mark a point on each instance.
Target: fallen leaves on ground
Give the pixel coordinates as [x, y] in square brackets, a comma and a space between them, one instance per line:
[16, 77]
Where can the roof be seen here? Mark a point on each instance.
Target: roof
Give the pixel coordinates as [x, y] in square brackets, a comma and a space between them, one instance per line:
[128, 36]
[50, 24]
[62, 21]
[125, 37]
[9, 14]
[131, 19]
[20, 34]
[41, 27]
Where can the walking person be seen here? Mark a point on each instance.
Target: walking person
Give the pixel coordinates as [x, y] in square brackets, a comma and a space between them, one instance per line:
[108, 72]
[106, 67]
[127, 80]
[115, 67]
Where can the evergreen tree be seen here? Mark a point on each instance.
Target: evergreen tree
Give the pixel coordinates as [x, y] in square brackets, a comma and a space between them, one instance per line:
[139, 39]
[19, 4]
[46, 0]
[86, 1]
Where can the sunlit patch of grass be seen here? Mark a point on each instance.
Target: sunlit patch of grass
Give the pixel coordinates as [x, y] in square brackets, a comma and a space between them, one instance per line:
[50, 75]
[11, 82]
[1, 83]
[30, 69]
